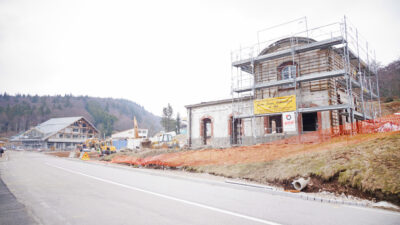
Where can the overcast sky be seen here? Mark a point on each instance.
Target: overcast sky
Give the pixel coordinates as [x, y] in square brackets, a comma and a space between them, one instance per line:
[157, 52]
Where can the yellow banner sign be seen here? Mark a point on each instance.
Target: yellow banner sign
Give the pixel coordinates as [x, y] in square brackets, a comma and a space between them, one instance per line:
[275, 105]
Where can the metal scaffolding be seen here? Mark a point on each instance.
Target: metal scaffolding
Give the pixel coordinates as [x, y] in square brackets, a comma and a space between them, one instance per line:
[333, 59]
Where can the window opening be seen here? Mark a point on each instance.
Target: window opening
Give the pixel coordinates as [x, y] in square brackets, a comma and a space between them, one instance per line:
[310, 121]
[275, 124]
[206, 130]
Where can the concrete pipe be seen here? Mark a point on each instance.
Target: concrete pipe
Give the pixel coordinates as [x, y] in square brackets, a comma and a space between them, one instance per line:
[300, 183]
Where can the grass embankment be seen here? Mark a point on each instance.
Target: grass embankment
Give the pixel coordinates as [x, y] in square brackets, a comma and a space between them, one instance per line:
[390, 107]
[368, 169]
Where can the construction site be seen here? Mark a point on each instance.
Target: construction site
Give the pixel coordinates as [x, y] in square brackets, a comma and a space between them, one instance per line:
[292, 83]
[199, 112]
[304, 104]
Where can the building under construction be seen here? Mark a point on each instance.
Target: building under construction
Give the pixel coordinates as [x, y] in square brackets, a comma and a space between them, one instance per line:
[322, 78]
[64, 133]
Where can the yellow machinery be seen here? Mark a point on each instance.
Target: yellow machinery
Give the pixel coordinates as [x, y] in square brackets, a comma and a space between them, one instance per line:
[165, 141]
[101, 146]
[106, 147]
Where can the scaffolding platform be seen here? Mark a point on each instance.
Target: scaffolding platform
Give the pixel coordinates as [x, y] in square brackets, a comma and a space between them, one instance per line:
[333, 59]
[303, 78]
[287, 52]
[302, 110]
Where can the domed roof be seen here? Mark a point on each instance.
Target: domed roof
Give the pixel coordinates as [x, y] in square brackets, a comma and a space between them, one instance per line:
[286, 42]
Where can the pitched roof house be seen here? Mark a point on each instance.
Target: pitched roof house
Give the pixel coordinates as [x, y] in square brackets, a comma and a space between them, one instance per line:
[58, 133]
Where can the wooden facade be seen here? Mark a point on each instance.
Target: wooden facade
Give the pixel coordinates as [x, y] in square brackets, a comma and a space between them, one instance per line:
[58, 133]
[318, 92]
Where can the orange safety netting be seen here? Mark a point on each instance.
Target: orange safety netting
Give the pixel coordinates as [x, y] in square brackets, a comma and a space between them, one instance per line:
[309, 142]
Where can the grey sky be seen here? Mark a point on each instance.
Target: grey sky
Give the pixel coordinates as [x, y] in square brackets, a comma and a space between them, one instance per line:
[155, 52]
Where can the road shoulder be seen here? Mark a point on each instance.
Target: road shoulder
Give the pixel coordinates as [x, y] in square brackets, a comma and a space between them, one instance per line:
[12, 212]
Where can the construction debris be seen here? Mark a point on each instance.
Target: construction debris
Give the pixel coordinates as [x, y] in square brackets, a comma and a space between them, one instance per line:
[300, 183]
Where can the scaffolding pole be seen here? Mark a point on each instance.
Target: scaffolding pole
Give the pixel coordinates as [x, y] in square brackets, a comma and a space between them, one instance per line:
[348, 71]
[377, 85]
[348, 76]
[360, 77]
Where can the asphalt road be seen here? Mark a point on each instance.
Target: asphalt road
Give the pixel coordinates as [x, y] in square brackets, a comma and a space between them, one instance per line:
[12, 212]
[68, 191]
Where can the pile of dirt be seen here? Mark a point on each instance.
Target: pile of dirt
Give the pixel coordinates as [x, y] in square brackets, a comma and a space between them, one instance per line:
[59, 154]
[92, 155]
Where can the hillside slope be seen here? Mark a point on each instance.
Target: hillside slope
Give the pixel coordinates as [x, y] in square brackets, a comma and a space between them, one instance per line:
[369, 168]
[389, 80]
[20, 112]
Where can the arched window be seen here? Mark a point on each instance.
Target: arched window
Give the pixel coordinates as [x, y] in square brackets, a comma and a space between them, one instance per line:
[288, 72]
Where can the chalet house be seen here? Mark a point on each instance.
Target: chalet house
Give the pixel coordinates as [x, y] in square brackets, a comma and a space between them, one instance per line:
[57, 133]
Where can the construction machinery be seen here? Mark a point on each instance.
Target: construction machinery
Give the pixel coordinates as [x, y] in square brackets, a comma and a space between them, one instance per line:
[101, 146]
[164, 140]
[106, 147]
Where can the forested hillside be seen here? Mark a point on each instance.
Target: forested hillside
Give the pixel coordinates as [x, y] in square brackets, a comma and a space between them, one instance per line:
[20, 112]
[389, 81]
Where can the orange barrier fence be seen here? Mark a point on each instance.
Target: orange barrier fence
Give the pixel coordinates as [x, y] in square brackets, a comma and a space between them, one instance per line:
[327, 139]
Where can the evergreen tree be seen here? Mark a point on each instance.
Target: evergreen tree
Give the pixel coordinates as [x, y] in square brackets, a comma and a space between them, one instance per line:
[35, 99]
[178, 124]
[102, 120]
[166, 121]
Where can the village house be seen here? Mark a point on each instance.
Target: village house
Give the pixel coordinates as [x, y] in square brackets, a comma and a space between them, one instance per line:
[57, 133]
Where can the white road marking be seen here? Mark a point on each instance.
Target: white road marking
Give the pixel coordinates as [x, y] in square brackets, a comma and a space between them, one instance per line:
[170, 197]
